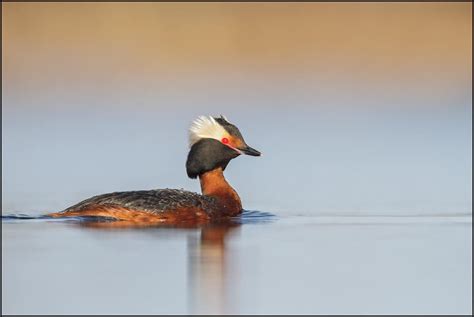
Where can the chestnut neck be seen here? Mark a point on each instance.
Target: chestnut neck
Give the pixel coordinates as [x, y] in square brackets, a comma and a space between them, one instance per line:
[214, 184]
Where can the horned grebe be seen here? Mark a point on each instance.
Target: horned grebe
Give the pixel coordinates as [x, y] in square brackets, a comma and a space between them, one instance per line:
[213, 142]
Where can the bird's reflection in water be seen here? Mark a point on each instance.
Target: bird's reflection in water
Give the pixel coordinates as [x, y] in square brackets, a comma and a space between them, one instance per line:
[208, 268]
[206, 259]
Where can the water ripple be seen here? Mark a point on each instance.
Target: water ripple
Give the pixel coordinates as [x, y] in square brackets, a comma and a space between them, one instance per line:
[247, 216]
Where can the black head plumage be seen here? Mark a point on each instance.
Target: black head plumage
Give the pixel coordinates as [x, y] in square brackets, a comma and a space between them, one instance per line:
[206, 155]
[214, 142]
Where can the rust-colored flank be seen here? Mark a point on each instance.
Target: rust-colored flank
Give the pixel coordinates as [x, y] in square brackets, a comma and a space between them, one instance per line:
[139, 216]
[213, 184]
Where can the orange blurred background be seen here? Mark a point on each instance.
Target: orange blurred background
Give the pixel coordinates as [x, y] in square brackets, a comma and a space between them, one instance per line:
[118, 45]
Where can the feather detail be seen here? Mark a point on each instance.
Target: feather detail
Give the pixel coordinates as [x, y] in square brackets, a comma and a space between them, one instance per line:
[205, 127]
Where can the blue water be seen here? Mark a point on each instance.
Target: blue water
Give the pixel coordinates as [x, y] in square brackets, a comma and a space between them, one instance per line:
[354, 212]
[260, 263]
[351, 211]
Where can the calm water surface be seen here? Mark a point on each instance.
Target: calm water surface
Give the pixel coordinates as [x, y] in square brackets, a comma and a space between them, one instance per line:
[359, 213]
[260, 264]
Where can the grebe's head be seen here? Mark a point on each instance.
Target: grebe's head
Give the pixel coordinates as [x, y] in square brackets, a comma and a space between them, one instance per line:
[214, 142]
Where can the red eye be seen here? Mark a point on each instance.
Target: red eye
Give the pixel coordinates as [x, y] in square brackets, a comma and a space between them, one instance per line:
[225, 140]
